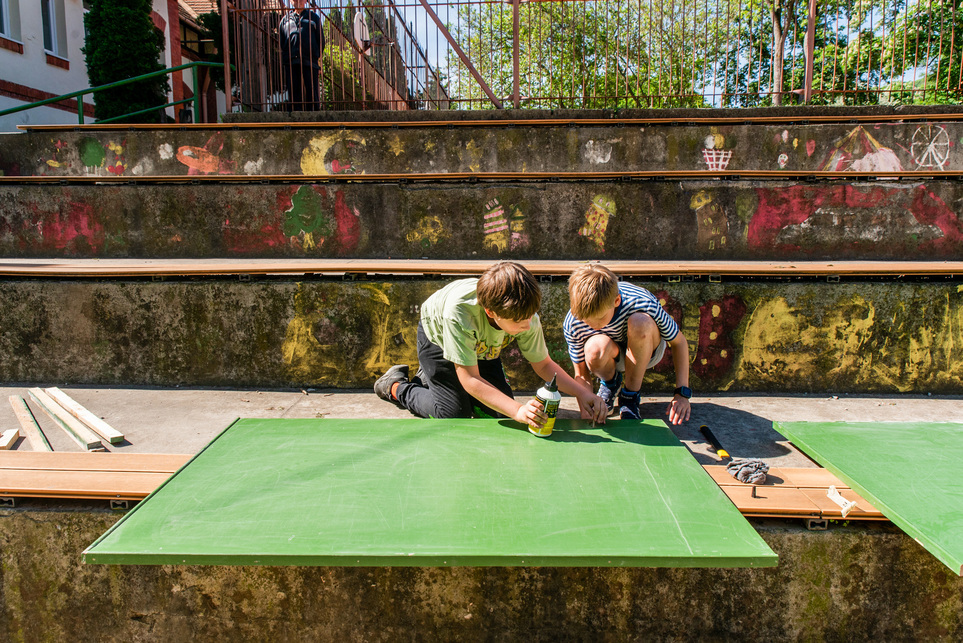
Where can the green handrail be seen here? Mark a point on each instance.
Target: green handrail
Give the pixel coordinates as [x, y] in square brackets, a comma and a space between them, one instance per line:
[80, 101]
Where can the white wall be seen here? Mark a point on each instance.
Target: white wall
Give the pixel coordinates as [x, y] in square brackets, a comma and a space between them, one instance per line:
[32, 70]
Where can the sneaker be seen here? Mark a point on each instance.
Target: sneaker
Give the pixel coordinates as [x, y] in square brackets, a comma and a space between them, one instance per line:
[397, 373]
[609, 393]
[629, 405]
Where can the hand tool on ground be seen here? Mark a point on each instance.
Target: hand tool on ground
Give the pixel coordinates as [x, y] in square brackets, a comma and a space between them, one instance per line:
[742, 469]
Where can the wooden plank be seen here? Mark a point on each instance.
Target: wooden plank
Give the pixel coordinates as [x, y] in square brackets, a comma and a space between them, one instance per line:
[96, 424]
[28, 424]
[772, 501]
[93, 461]
[9, 438]
[829, 509]
[76, 429]
[813, 477]
[639, 269]
[33, 483]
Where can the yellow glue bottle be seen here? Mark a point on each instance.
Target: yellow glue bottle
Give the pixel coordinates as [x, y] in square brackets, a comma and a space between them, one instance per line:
[550, 398]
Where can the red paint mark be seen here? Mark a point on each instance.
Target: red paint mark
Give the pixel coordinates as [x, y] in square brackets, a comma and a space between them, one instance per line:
[716, 353]
[810, 147]
[337, 168]
[76, 232]
[116, 169]
[783, 207]
[348, 222]
[247, 241]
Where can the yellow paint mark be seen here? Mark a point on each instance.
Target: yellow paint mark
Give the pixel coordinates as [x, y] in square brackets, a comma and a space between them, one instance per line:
[115, 148]
[308, 241]
[704, 361]
[396, 145]
[662, 302]
[313, 156]
[52, 163]
[474, 154]
[716, 310]
[724, 353]
[795, 143]
[700, 199]
[429, 145]
[713, 335]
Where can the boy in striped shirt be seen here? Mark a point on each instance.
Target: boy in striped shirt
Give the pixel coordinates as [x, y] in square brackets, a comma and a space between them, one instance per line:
[616, 331]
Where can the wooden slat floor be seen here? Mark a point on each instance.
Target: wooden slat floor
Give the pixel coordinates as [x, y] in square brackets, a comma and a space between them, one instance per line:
[788, 492]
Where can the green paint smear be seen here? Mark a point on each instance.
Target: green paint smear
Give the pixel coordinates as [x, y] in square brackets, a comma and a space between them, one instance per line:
[92, 153]
[306, 214]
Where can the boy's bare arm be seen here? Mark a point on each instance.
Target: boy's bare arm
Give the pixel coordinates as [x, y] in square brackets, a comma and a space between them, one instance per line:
[679, 409]
[583, 375]
[478, 388]
[591, 405]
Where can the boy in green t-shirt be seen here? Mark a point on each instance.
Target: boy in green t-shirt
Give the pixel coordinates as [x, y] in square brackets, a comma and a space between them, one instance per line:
[463, 329]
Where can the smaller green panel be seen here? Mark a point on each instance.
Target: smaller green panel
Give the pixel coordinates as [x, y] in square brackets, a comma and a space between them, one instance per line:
[911, 471]
[430, 492]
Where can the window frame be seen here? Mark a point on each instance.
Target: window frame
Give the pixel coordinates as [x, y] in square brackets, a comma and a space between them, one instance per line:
[51, 17]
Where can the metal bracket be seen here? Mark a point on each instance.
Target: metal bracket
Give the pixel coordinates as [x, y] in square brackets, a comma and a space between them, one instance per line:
[6, 501]
[845, 505]
[122, 505]
[817, 524]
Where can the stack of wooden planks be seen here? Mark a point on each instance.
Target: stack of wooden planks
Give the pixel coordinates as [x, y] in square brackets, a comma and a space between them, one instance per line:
[83, 427]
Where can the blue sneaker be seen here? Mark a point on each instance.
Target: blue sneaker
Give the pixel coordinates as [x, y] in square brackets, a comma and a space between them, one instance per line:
[608, 392]
[629, 405]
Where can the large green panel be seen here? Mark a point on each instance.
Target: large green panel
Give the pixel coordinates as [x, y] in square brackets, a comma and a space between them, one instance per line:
[911, 471]
[432, 492]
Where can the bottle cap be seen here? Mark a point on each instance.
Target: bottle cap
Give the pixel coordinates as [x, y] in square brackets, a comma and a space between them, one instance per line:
[552, 386]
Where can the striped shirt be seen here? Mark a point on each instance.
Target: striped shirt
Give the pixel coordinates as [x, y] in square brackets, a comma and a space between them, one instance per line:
[633, 299]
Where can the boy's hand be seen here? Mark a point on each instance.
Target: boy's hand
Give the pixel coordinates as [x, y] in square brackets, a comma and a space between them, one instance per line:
[593, 408]
[531, 413]
[678, 410]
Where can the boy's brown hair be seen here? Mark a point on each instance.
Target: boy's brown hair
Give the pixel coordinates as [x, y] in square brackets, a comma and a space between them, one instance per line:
[591, 289]
[509, 290]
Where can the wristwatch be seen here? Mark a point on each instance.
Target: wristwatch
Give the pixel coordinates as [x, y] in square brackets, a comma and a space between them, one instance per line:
[684, 391]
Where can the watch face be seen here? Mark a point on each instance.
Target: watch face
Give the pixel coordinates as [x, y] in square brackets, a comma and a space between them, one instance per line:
[684, 391]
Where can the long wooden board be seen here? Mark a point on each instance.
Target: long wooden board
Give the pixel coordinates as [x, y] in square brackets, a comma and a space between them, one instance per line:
[340, 267]
[437, 493]
[910, 470]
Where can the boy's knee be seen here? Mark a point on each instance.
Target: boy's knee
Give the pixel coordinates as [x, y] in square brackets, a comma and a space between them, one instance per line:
[597, 351]
[642, 327]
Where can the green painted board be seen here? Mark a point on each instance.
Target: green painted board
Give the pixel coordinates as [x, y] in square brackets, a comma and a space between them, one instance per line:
[437, 493]
[911, 471]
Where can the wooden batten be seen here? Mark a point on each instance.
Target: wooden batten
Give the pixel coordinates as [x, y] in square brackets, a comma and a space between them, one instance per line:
[76, 429]
[28, 425]
[98, 426]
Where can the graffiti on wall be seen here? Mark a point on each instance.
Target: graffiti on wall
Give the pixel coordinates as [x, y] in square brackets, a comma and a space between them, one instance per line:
[72, 229]
[307, 218]
[336, 153]
[930, 147]
[504, 231]
[207, 158]
[858, 151]
[848, 218]
[600, 211]
[712, 221]
[429, 231]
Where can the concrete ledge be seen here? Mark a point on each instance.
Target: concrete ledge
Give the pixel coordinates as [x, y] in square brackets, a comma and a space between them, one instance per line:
[849, 583]
[743, 336]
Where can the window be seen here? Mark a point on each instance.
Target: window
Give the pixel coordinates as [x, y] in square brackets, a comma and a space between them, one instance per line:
[54, 27]
[10, 19]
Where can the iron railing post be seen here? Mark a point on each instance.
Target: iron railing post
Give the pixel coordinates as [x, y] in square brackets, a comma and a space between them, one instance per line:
[197, 94]
[226, 46]
[516, 92]
[810, 51]
[80, 109]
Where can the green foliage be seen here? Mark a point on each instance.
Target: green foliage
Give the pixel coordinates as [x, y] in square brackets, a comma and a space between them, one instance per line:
[122, 43]
[578, 55]
[928, 37]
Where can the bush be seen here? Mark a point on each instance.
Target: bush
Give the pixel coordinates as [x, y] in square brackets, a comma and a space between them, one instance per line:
[122, 43]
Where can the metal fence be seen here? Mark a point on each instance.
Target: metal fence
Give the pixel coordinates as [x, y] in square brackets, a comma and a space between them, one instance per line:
[583, 54]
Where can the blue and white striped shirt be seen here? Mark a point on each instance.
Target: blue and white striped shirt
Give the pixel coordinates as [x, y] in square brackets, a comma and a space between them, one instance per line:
[633, 299]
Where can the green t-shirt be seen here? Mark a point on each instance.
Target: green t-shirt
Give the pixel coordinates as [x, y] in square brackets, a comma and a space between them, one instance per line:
[453, 320]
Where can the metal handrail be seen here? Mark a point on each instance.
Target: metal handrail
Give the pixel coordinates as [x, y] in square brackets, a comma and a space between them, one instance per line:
[120, 83]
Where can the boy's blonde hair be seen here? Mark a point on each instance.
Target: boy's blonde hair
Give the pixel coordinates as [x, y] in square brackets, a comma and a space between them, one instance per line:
[510, 291]
[592, 289]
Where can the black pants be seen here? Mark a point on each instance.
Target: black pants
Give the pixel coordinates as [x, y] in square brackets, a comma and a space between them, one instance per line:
[303, 85]
[438, 393]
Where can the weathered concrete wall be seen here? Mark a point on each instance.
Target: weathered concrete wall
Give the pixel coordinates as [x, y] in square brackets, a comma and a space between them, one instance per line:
[866, 582]
[490, 147]
[743, 336]
[689, 220]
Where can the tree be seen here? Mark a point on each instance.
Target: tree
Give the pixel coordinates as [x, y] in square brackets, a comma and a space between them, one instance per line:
[927, 39]
[123, 43]
[580, 55]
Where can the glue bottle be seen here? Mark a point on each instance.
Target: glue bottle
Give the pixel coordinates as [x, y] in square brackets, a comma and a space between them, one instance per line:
[550, 398]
